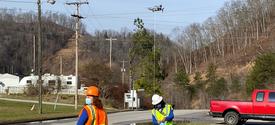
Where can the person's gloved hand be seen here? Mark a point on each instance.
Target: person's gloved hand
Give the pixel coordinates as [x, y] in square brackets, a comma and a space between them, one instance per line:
[162, 121]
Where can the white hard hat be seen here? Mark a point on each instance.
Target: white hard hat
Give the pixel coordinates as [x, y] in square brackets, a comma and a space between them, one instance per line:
[156, 99]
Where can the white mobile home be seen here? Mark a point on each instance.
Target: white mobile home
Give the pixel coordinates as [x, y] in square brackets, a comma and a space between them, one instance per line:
[68, 81]
[28, 80]
[51, 80]
[47, 80]
[8, 80]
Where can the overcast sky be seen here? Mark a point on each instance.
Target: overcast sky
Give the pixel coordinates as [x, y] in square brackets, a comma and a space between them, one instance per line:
[117, 14]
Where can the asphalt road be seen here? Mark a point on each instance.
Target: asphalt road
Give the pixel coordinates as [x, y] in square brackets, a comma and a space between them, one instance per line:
[127, 118]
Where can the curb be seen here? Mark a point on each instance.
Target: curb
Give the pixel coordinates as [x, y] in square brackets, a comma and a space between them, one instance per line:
[47, 119]
[36, 120]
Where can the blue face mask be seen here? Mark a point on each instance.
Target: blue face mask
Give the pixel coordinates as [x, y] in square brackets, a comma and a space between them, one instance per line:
[88, 101]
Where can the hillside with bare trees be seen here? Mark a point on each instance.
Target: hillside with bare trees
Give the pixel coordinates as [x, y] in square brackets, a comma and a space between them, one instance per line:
[18, 35]
[239, 27]
[200, 59]
[220, 53]
[228, 42]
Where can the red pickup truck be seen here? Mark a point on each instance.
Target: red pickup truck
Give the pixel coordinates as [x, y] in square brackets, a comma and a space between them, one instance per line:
[262, 106]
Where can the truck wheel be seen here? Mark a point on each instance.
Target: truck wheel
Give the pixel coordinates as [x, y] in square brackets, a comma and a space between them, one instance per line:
[231, 118]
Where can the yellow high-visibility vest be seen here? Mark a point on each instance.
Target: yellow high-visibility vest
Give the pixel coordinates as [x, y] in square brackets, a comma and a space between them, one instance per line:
[164, 113]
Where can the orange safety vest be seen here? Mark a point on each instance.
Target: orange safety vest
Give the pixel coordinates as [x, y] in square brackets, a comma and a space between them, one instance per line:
[96, 116]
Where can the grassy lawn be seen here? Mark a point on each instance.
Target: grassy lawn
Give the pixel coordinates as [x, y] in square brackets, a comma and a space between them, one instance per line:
[67, 99]
[19, 111]
[11, 111]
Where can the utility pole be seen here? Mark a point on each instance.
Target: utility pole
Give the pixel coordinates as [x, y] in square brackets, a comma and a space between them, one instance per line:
[61, 65]
[34, 51]
[78, 17]
[39, 54]
[176, 63]
[123, 71]
[131, 89]
[111, 39]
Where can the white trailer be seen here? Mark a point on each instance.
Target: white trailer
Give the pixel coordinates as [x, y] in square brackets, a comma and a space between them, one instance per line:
[8, 80]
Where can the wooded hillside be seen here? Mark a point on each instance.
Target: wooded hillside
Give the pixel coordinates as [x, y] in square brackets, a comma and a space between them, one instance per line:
[240, 28]
[17, 34]
[204, 61]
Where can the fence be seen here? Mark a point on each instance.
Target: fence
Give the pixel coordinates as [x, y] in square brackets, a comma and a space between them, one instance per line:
[2, 89]
[12, 89]
[71, 92]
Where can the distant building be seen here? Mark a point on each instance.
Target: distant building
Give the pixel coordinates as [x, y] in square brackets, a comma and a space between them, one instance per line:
[8, 80]
[50, 80]
[28, 80]
[68, 81]
[10, 83]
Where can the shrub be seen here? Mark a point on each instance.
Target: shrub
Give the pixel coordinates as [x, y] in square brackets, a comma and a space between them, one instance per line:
[235, 86]
[218, 88]
[31, 90]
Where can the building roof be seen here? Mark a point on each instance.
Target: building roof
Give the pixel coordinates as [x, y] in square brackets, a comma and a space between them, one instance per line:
[6, 75]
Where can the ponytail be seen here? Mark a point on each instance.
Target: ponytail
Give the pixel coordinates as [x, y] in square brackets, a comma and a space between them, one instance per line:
[97, 102]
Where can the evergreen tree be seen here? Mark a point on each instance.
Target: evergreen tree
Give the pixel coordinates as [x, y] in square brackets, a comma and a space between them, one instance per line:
[144, 61]
[211, 73]
[217, 86]
[235, 86]
[262, 74]
[182, 78]
[198, 80]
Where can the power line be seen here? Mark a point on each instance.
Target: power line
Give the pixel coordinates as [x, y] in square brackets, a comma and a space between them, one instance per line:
[16, 1]
[166, 12]
[95, 17]
[90, 22]
[130, 19]
[178, 14]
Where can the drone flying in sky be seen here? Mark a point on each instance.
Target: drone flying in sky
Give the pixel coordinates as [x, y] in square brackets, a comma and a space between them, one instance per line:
[156, 8]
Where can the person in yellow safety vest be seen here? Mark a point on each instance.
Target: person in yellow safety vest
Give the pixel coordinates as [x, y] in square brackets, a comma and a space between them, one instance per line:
[92, 112]
[162, 113]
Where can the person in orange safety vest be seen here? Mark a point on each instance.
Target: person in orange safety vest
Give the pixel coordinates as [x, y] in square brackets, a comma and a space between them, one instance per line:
[92, 112]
